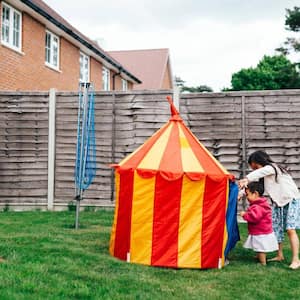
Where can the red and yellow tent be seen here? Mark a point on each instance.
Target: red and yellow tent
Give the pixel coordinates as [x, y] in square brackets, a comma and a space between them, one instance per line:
[171, 202]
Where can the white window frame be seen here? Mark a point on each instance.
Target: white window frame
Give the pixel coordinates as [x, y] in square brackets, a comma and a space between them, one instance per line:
[82, 70]
[12, 11]
[51, 63]
[105, 79]
[124, 85]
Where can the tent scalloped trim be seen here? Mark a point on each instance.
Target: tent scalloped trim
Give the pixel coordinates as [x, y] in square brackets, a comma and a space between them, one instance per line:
[171, 176]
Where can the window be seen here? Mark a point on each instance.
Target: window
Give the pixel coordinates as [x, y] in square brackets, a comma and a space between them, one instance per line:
[11, 27]
[105, 79]
[84, 62]
[51, 50]
[124, 85]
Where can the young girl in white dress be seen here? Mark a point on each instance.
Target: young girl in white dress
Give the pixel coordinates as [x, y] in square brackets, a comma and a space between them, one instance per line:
[261, 237]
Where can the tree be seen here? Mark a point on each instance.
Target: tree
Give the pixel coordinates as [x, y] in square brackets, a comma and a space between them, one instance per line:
[178, 81]
[190, 89]
[197, 89]
[292, 22]
[271, 73]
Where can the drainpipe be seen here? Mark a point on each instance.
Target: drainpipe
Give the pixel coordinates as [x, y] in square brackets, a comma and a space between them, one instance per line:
[114, 78]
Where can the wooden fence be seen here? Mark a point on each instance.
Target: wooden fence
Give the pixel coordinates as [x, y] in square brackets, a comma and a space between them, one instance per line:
[231, 125]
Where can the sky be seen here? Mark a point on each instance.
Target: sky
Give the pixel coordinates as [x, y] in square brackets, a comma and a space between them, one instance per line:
[209, 40]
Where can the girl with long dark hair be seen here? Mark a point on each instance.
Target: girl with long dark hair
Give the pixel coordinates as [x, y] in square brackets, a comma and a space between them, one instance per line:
[285, 197]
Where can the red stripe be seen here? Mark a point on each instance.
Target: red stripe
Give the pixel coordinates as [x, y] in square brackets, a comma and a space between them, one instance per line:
[213, 222]
[166, 222]
[171, 163]
[123, 228]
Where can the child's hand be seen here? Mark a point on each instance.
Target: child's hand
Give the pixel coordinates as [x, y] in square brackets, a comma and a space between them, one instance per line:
[243, 183]
[242, 213]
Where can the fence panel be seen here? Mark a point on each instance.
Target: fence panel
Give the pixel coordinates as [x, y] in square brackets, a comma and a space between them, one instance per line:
[231, 125]
[23, 148]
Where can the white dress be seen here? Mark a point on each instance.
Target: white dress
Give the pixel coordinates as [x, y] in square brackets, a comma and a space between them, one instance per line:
[262, 242]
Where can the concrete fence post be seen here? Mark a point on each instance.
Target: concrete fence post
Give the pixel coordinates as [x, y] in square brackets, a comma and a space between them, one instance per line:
[244, 142]
[51, 149]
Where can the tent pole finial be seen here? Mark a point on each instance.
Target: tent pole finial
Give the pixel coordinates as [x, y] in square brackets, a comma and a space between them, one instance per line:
[174, 111]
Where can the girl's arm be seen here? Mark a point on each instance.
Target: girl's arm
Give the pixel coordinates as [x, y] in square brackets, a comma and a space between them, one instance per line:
[253, 214]
[260, 173]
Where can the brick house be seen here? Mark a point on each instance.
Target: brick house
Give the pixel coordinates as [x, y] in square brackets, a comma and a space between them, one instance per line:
[152, 66]
[40, 50]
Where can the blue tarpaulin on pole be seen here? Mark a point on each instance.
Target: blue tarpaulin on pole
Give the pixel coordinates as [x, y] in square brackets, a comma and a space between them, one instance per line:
[231, 218]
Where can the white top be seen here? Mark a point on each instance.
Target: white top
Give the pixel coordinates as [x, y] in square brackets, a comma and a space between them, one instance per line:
[281, 191]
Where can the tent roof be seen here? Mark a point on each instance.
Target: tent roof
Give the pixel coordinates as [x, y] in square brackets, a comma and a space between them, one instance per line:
[173, 151]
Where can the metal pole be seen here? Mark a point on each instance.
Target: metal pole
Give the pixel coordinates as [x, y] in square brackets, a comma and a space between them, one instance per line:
[244, 153]
[113, 141]
[77, 189]
[77, 213]
[83, 148]
[87, 121]
[82, 145]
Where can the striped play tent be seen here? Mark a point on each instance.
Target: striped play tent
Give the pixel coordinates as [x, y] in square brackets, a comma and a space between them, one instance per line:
[174, 203]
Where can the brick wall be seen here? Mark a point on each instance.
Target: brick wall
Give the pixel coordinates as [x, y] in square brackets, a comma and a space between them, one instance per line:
[95, 73]
[27, 70]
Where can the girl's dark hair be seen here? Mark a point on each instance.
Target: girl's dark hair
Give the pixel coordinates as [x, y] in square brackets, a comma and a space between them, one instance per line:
[262, 158]
[256, 186]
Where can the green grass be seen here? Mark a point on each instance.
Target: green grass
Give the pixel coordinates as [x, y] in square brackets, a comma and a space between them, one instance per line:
[45, 258]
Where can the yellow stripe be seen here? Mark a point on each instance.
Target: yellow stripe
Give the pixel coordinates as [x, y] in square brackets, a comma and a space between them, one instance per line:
[210, 155]
[113, 230]
[225, 238]
[190, 223]
[129, 156]
[190, 163]
[142, 220]
[153, 157]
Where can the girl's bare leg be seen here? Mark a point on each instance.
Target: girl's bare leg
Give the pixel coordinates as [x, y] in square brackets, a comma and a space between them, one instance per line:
[262, 258]
[279, 256]
[294, 242]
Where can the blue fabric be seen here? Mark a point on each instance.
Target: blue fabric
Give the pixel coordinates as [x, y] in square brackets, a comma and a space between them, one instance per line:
[85, 168]
[231, 218]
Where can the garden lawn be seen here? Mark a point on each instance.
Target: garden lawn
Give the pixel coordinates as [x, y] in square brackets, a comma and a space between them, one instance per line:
[45, 258]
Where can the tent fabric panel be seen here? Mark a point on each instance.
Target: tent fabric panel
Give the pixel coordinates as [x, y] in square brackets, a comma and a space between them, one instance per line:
[153, 157]
[225, 236]
[190, 225]
[142, 220]
[213, 222]
[123, 228]
[166, 222]
[207, 160]
[132, 160]
[231, 220]
[113, 230]
[170, 163]
[190, 163]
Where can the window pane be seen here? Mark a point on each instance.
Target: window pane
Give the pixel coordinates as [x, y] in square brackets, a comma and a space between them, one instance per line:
[16, 31]
[81, 67]
[124, 85]
[55, 51]
[5, 24]
[105, 79]
[84, 62]
[86, 69]
[47, 47]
